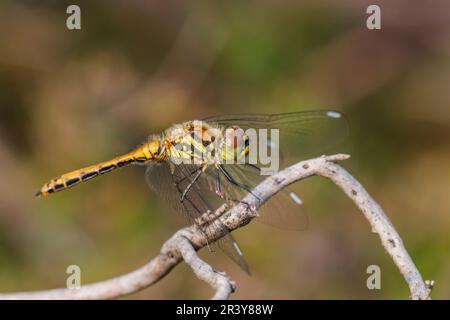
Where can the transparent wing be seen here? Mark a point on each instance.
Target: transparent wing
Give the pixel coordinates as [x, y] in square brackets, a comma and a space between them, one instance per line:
[301, 134]
[160, 180]
[169, 181]
[284, 210]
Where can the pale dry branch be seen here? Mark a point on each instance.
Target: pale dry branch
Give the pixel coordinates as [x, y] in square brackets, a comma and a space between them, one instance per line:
[223, 285]
[184, 243]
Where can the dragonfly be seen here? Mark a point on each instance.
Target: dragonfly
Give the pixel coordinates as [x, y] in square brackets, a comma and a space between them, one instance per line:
[199, 165]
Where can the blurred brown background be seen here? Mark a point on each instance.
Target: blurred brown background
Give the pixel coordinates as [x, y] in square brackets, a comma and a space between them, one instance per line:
[72, 98]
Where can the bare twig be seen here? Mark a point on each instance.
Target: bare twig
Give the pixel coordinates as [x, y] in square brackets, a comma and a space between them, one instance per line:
[224, 286]
[184, 243]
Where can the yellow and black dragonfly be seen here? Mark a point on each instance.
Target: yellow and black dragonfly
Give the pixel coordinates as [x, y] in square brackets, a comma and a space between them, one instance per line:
[198, 165]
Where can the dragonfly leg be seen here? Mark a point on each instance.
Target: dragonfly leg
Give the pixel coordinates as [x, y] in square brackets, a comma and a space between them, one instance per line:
[199, 222]
[189, 186]
[177, 182]
[220, 193]
[210, 216]
[218, 187]
[234, 182]
[202, 221]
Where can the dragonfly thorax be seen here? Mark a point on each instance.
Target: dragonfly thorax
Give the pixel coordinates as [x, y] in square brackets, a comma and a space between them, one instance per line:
[199, 142]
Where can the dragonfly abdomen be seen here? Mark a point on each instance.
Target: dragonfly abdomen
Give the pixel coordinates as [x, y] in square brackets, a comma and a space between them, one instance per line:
[147, 152]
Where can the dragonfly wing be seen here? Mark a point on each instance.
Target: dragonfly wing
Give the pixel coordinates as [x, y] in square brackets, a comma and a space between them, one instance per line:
[227, 243]
[301, 134]
[284, 210]
[231, 248]
[160, 180]
[170, 182]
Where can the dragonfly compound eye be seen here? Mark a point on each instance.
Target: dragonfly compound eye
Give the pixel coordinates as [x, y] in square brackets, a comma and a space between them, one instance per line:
[234, 137]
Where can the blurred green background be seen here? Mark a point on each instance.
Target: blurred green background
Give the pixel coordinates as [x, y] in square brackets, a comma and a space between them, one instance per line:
[73, 98]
